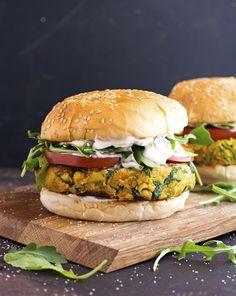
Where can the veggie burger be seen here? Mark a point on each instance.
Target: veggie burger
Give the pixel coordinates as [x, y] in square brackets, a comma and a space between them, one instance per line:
[112, 156]
[211, 107]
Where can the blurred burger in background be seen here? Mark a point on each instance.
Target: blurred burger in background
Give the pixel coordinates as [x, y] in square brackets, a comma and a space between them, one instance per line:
[112, 156]
[211, 108]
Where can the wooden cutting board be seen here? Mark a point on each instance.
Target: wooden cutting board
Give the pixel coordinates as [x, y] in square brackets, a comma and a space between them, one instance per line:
[23, 219]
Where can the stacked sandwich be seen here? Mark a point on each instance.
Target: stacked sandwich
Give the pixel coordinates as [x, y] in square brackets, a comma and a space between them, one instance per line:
[113, 156]
[211, 107]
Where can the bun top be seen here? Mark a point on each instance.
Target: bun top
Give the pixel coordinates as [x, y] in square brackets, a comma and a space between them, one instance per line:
[113, 114]
[209, 100]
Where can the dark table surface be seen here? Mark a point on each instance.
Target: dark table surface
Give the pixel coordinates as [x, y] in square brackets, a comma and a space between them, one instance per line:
[186, 278]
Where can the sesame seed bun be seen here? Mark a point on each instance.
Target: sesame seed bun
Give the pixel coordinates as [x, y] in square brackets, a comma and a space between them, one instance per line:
[210, 100]
[108, 210]
[113, 114]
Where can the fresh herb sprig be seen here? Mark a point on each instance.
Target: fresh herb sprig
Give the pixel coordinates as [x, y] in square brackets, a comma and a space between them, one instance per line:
[224, 191]
[33, 257]
[202, 135]
[37, 162]
[227, 125]
[197, 175]
[124, 152]
[206, 249]
[141, 159]
[185, 139]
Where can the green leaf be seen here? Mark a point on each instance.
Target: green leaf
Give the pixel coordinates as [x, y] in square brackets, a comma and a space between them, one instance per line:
[226, 192]
[86, 150]
[32, 162]
[227, 125]
[141, 159]
[206, 249]
[49, 253]
[33, 257]
[172, 142]
[202, 135]
[194, 169]
[185, 139]
[116, 150]
[33, 135]
[181, 140]
[40, 172]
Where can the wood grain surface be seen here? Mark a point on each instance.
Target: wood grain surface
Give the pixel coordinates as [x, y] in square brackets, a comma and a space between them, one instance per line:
[23, 219]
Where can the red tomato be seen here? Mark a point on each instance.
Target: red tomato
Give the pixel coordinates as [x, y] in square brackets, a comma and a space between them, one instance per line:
[216, 133]
[80, 161]
[181, 159]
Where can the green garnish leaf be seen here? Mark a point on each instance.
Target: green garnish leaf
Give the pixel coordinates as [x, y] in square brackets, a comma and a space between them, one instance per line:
[227, 125]
[86, 150]
[194, 170]
[224, 191]
[206, 249]
[181, 140]
[202, 135]
[172, 142]
[33, 257]
[40, 172]
[185, 139]
[141, 159]
[116, 150]
[37, 162]
[33, 135]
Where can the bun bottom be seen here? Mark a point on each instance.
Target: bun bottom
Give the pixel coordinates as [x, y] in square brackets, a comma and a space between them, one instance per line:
[107, 210]
[217, 173]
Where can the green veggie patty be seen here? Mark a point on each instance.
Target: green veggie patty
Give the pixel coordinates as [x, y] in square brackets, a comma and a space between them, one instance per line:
[124, 184]
[222, 152]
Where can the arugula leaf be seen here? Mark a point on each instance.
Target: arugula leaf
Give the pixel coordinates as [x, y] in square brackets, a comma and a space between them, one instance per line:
[117, 150]
[195, 171]
[181, 141]
[226, 192]
[86, 150]
[33, 257]
[206, 249]
[172, 142]
[33, 135]
[227, 125]
[185, 139]
[40, 172]
[141, 159]
[202, 135]
[47, 252]
[37, 162]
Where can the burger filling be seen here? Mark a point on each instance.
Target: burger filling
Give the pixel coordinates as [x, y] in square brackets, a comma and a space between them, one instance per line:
[222, 152]
[214, 144]
[126, 169]
[124, 184]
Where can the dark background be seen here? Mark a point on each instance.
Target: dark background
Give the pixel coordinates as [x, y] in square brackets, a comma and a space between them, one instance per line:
[53, 49]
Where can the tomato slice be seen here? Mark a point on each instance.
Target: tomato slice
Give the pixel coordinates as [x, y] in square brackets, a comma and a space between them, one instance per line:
[216, 133]
[80, 161]
[180, 159]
